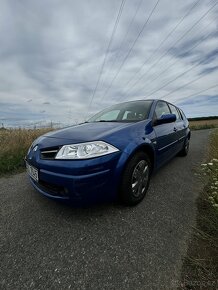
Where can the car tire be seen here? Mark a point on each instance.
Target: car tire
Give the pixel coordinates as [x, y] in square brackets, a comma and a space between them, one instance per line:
[185, 149]
[135, 179]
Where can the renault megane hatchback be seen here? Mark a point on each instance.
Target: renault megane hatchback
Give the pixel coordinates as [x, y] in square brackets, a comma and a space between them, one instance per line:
[111, 155]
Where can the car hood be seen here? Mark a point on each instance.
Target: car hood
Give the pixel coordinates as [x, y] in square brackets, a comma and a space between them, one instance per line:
[115, 133]
[88, 131]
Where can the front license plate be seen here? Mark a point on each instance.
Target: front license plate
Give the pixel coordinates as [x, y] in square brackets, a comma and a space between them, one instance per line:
[33, 172]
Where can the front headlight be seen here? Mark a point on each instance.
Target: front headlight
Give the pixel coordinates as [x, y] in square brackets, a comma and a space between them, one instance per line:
[85, 150]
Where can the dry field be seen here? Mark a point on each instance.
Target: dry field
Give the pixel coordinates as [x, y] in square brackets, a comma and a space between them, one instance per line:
[203, 124]
[14, 144]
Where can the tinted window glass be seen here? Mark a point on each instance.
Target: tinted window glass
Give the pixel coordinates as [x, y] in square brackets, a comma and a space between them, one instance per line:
[180, 114]
[125, 112]
[174, 111]
[108, 116]
[161, 109]
[183, 115]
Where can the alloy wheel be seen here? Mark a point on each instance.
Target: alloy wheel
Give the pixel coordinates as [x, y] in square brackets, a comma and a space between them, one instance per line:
[140, 178]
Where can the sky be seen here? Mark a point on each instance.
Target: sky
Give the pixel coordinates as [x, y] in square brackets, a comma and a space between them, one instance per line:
[63, 61]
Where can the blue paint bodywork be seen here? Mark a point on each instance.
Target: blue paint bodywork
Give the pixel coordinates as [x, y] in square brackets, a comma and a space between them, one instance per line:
[98, 178]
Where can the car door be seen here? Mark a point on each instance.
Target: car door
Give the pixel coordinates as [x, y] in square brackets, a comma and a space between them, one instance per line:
[180, 127]
[166, 137]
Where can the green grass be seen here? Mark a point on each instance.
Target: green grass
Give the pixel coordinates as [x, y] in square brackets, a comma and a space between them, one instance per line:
[200, 267]
[14, 144]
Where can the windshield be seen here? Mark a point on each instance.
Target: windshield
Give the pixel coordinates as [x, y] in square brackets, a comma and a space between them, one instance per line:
[126, 112]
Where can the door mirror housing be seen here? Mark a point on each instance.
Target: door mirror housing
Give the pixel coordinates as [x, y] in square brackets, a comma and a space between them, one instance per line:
[167, 118]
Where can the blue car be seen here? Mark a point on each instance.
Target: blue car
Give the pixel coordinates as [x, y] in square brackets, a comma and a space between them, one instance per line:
[110, 156]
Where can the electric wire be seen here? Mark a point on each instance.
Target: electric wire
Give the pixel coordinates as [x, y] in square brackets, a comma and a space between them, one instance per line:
[171, 81]
[182, 87]
[130, 50]
[177, 60]
[199, 92]
[161, 44]
[158, 60]
[117, 57]
[107, 51]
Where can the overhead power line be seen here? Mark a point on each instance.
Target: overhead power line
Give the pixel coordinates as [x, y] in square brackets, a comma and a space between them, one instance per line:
[107, 51]
[199, 92]
[177, 60]
[178, 40]
[117, 57]
[131, 48]
[171, 81]
[183, 86]
[161, 44]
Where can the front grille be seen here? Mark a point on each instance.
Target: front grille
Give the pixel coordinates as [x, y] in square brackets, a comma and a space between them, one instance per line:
[49, 153]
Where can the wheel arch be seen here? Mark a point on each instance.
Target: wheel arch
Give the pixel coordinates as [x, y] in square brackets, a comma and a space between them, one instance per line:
[142, 148]
[148, 149]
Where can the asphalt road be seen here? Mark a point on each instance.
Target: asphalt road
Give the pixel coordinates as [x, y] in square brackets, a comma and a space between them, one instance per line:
[46, 245]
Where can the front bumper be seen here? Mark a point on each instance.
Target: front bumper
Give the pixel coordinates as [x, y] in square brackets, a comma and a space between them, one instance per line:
[76, 181]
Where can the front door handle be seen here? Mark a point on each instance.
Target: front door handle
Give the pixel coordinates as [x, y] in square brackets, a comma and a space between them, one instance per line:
[174, 129]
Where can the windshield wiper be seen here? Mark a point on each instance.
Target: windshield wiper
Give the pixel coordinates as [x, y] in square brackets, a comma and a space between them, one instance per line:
[108, 121]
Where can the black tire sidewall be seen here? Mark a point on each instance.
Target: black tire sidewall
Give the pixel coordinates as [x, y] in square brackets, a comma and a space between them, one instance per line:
[126, 183]
[184, 151]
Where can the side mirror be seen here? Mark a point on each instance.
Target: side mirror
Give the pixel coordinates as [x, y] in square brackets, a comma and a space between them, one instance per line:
[167, 118]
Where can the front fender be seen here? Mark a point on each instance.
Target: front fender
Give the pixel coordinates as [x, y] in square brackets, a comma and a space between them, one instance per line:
[137, 144]
[127, 153]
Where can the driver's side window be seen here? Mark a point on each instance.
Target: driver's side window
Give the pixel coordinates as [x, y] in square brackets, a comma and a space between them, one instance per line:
[161, 109]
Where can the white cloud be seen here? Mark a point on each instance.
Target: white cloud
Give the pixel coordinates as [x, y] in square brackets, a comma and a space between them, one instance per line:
[51, 52]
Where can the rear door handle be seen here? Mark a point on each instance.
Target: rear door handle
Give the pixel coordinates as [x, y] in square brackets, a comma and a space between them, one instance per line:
[174, 129]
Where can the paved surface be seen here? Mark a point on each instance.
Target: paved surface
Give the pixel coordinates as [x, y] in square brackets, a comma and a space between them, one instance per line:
[46, 245]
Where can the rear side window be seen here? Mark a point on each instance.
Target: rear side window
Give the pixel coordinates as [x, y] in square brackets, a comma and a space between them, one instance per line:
[161, 109]
[174, 111]
[180, 114]
[183, 115]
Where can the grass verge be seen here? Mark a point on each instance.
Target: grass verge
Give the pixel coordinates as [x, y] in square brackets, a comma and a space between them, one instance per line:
[202, 127]
[14, 144]
[203, 124]
[200, 267]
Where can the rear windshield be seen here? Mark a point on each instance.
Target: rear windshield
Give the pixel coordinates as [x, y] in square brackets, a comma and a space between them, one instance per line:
[124, 112]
